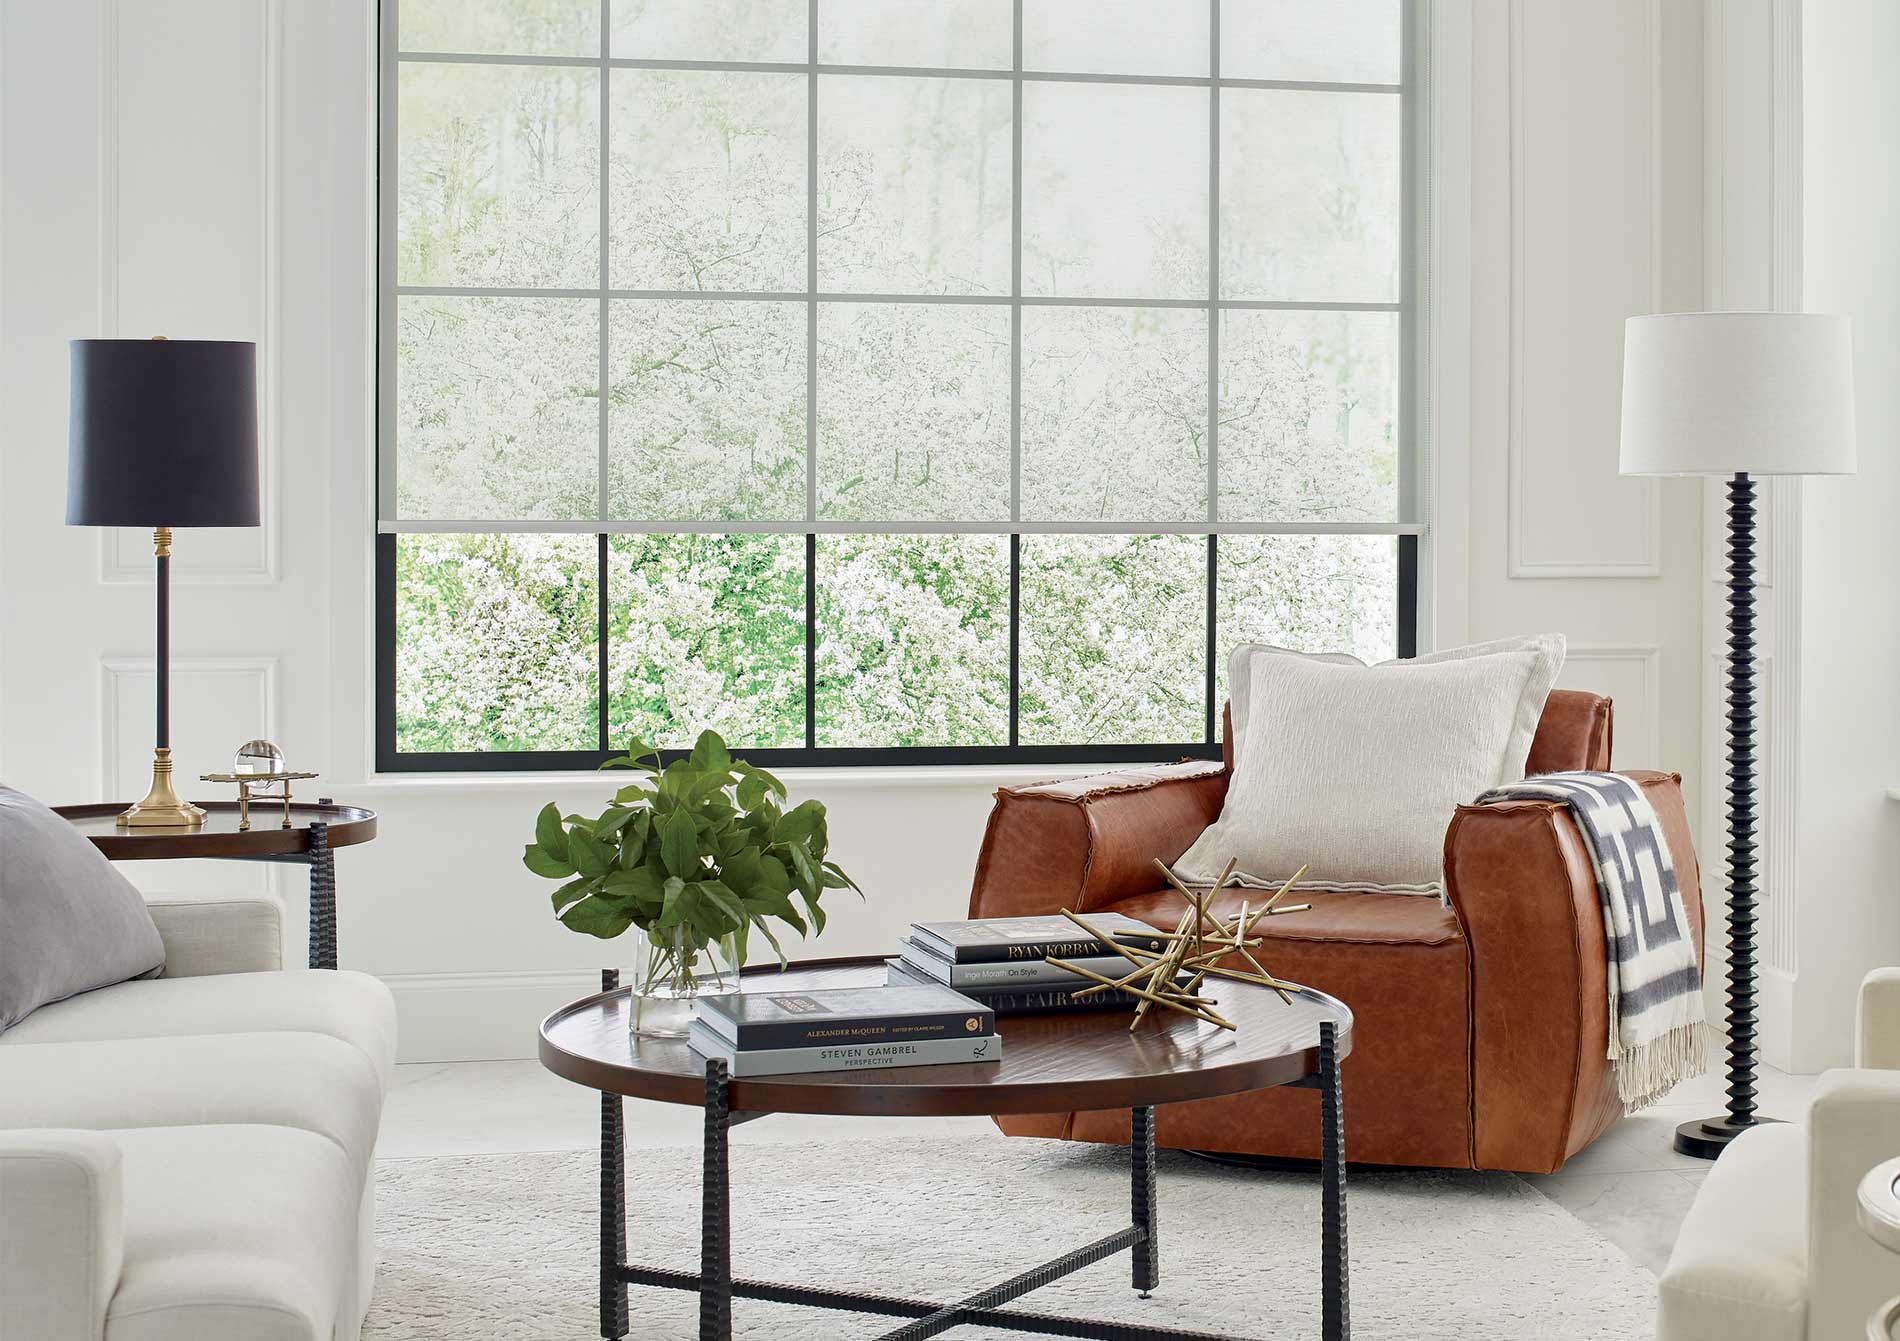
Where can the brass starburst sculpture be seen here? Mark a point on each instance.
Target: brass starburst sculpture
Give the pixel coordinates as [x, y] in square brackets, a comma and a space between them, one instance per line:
[1172, 977]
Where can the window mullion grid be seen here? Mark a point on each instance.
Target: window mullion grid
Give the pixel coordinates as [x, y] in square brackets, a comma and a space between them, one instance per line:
[811, 639]
[603, 660]
[931, 299]
[1213, 304]
[1411, 505]
[1016, 370]
[1213, 344]
[811, 373]
[1015, 636]
[896, 71]
[1213, 634]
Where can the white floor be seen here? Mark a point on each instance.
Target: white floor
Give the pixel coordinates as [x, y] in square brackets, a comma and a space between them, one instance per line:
[1632, 1187]
[1629, 1186]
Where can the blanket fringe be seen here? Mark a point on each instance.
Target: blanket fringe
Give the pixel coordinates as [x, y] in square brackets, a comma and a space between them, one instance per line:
[1648, 1071]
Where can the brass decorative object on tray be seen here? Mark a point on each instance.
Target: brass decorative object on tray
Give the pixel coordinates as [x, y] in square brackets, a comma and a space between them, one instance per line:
[1194, 950]
[257, 768]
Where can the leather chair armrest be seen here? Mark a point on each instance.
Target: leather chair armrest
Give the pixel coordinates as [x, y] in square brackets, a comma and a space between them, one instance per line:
[1877, 1033]
[237, 933]
[1086, 842]
[1519, 878]
[62, 1238]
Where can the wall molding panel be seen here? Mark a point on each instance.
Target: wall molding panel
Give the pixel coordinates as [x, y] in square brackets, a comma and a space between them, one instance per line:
[1570, 514]
[136, 297]
[125, 717]
[1638, 725]
[217, 704]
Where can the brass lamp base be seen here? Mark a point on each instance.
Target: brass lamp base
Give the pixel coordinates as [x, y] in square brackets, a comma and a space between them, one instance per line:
[162, 807]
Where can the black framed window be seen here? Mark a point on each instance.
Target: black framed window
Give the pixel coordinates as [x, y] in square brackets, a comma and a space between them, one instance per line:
[881, 380]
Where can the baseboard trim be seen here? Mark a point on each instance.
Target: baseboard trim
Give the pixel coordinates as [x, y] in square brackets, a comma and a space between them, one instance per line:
[473, 1017]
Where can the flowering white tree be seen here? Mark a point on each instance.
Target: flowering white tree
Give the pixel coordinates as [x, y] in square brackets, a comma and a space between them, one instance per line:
[495, 640]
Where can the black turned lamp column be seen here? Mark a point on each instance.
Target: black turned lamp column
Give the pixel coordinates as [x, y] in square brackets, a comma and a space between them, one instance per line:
[1738, 395]
[163, 434]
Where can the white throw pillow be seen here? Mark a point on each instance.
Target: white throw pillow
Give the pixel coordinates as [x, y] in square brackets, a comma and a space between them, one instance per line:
[1353, 771]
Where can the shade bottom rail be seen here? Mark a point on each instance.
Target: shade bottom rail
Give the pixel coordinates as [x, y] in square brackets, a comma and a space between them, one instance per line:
[930, 1318]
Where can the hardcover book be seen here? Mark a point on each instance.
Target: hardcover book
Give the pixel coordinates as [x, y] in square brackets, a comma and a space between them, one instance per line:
[1028, 999]
[990, 940]
[1020, 973]
[847, 1056]
[839, 1015]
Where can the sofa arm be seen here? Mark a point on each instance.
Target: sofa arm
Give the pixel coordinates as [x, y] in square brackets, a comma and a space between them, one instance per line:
[61, 1233]
[224, 934]
[1877, 1032]
[1853, 1125]
[1519, 878]
[1086, 842]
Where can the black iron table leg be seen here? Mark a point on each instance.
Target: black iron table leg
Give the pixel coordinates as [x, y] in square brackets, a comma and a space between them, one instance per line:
[613, 1202]
[715, 1216]
[322, 898]
[1335, 1285]
[716, 1287]
[1141, 1152]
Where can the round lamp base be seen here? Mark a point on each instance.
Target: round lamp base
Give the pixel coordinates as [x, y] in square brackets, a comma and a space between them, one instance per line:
[1707, 1138]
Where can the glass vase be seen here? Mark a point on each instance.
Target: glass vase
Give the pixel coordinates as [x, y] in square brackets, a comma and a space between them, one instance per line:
[676, 974]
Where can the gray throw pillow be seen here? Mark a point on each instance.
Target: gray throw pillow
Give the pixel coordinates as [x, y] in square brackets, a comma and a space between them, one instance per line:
[69, 922]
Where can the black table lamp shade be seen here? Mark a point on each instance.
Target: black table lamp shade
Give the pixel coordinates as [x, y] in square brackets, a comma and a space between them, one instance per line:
[163, 433]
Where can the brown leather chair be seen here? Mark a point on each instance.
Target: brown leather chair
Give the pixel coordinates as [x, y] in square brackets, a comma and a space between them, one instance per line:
[1480, 1029]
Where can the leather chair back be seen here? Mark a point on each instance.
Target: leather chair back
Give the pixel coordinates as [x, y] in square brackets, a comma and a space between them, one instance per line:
[1574, 732]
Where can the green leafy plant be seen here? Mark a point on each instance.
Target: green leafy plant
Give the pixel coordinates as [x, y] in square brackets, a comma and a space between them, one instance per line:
[697, 855]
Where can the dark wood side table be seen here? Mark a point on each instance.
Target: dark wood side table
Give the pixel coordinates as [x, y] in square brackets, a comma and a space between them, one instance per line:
[315, 832]
[1050, 1063]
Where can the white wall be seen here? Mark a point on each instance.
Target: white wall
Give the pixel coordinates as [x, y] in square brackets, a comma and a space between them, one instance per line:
[146, 190]
[1586, 209]
[1753, 263]
[1803, 201]
[1849, 828]
[202, 167]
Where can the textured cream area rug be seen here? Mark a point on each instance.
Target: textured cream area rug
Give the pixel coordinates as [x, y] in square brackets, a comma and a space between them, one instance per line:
[504, 1246]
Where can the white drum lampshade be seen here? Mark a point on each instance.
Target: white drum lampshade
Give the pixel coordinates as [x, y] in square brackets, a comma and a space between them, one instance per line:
[1727, 393]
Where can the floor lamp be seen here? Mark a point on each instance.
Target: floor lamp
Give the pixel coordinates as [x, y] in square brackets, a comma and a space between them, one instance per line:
[163, 434]
[1738, 395]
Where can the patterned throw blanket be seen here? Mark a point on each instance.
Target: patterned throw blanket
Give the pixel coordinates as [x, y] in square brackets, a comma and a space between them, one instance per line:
[1656, 1028]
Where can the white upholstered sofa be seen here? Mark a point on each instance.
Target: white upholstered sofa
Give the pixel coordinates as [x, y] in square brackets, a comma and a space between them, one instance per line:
[1772, 1249]
[188, 1157]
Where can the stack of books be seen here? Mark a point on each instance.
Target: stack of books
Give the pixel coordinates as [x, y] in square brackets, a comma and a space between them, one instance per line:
[844, 1029]
[1003, 962]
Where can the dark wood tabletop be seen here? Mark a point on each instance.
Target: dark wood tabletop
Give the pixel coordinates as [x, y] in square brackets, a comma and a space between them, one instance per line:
[219, 835]
[1051, 1063]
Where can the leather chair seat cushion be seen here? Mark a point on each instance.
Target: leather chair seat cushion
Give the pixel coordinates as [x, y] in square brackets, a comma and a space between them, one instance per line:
[310, 1082]
[353, 1008]
[1400, 962]
[1739, 1271]
[234, 1233]
[1364, 919]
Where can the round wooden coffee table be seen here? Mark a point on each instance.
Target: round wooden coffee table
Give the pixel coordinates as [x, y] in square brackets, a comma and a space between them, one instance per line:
[310, 839]
[1050, 1063]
